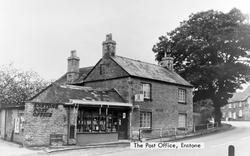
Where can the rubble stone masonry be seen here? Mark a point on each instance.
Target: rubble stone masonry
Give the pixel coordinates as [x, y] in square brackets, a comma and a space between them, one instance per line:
[37, 129]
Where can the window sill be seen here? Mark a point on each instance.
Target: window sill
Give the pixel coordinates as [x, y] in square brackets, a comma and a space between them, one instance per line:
[147, 99]
[95, 132]
[145, 130]
[183, 103]
[181, 128]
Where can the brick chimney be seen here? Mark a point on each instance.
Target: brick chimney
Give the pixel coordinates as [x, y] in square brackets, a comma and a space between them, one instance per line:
[167, 62]
[73, 67]
[108, 46]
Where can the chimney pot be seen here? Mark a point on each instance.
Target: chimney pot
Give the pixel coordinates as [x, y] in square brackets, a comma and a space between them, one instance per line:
[73, 67]
[167, 62]
[108, 46]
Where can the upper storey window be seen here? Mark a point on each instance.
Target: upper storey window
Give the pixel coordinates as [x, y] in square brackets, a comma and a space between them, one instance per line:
[182, 95]
[102, 69]
[146, 89]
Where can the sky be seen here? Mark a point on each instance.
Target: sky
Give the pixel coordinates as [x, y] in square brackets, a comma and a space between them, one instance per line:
[38, 35]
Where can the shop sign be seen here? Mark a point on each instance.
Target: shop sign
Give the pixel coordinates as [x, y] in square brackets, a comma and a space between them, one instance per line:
[43, 109]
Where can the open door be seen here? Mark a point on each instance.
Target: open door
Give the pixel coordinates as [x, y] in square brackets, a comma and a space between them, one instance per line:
[122, 125]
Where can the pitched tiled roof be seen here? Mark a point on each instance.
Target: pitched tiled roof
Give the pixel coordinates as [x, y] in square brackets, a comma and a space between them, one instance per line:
[63, 93]
[150, 71]
[83, 73]
[240, 96]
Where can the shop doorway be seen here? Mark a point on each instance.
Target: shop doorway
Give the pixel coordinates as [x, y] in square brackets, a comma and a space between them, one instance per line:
[122, 125]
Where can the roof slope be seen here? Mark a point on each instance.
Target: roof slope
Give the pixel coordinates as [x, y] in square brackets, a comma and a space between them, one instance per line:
[240, 96]
[83, 73]
[63, 93]
[149, 71]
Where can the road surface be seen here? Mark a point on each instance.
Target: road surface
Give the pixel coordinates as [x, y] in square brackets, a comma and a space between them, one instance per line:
[215, 145]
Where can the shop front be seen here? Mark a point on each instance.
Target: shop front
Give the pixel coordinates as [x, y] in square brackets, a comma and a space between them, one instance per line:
[99, 122]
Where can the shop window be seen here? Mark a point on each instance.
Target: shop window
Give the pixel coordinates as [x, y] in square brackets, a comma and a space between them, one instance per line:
[182, 120]
[96, 121]
[146, 90]
[181, 95]
[145, 119]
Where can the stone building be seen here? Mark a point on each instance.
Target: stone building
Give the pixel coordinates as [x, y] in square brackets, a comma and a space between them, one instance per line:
[108, 101]
[238, 107]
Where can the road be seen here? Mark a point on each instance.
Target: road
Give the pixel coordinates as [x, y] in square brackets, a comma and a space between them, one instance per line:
[12, 149]
[215, 145]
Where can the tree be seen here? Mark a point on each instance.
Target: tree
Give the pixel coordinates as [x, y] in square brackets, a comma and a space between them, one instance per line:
[17, 86]
[208, 49]
[204, 107]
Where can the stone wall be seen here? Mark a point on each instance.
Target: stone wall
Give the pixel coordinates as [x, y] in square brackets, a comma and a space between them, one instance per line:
[163, 105]
[111, 70]
[37, 129]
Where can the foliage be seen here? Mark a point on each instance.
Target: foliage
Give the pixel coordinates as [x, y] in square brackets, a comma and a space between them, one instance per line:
[16, 86]
[208, 49]
[204, 107]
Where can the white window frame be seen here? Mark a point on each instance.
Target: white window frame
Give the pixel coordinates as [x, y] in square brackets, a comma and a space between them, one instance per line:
[182, 95]
[240, 104]
[146, 90]
[182, 124]
[145, 119]
[234, 115]
[240, 113]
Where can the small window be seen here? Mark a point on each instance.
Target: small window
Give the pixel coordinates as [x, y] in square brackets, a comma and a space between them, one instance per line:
[229, 106]
[240, 104]
[182, 120]
[102, 69]
[234, 115]
[240, 113]
[182, 95]
[146, 89]
[145, 119]
[229, 114]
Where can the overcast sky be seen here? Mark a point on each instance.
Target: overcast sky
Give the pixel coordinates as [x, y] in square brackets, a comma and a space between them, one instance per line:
[39, 34]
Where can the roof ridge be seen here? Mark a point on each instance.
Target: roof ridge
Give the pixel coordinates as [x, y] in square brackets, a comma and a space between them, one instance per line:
[137, 60]
[86, 67]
